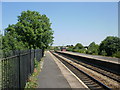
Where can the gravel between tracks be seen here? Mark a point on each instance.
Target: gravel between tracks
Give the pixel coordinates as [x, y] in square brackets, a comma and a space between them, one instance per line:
[105, 80]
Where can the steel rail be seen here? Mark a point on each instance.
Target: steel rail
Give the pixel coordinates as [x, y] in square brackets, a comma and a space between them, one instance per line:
[98, 82]
[78, 62]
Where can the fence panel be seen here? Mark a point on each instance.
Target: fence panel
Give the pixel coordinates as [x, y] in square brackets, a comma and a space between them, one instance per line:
[38, 54]
[10, 70]
[23, 69]
[17, 66]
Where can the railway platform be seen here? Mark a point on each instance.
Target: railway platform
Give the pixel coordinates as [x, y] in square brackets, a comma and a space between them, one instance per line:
[55, 75]
[97, 57]
[107, 63]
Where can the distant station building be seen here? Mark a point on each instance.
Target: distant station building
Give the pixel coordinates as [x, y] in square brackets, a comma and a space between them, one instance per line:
[63, 48]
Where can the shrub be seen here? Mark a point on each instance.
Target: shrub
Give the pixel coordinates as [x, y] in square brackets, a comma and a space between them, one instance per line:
[36, 63]
[117, 54]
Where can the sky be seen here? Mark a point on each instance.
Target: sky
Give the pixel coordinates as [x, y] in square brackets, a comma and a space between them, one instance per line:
[60, 0]
[72, 22]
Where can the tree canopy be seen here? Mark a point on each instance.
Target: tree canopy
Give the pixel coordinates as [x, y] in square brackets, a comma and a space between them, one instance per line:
[92, 48]
[32, 30]
[110, 45]
[78, 46]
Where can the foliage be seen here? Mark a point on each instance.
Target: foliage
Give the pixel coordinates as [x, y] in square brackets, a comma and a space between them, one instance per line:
[32, 81]
[103, 52]
[50, 48]
[9, 42]
[117, 54]
[78, 46]
[56, 48]
[36, 63]
[32, 30]
[75, 50]
[70, 47]
[83, 50]
[110, 45]
[92, 49]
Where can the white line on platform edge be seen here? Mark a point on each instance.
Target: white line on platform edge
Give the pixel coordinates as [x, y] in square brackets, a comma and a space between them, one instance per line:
[70, 72]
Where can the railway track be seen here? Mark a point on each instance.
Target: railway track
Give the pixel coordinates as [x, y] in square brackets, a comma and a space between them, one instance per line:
[91, 82]
[111, 75]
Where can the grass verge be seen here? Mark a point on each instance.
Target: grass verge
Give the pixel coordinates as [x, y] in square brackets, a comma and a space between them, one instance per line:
[32, 81]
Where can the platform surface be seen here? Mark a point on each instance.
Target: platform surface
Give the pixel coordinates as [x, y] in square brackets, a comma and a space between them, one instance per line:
[51, 76]
[56, 75]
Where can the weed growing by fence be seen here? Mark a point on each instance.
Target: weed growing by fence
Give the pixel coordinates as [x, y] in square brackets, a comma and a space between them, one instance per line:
[32, 81]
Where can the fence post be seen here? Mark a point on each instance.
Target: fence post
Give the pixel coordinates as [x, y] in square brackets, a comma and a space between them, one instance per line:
[19, 69]
[42, 52]
[30, 62]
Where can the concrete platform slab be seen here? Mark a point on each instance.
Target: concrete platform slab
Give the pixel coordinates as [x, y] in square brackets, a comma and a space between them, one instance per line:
[51, 76]
[72, 79]
[56, 75]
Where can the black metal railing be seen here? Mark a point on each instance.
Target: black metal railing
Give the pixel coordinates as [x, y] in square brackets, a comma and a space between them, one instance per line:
[16, 66]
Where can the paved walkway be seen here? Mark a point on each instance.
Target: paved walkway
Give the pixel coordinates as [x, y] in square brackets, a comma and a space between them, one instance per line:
[51, 76]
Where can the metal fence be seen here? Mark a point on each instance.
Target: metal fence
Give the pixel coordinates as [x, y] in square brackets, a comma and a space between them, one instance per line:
[16, 67]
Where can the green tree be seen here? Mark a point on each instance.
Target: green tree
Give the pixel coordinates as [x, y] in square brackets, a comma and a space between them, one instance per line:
[78, 46]
[10, 40]
[47, 33]
[32, 29]
[69, 47]
[116, 54]
[83, 50]
[92, 48]
[35, 29]
[110, 45]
